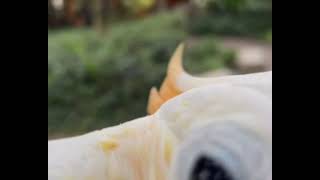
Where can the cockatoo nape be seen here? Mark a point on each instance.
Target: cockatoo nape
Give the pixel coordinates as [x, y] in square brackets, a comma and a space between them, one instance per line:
[198, 129]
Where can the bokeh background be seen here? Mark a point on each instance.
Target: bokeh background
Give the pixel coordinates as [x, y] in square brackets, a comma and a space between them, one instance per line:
[105, 55]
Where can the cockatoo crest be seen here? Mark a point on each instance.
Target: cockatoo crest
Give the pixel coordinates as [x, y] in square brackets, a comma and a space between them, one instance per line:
[169, 88]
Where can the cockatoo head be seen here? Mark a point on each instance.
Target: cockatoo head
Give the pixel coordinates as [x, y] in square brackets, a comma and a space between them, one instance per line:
[224, 124]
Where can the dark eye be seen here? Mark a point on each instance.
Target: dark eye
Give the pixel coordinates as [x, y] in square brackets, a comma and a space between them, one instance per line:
[207, 169]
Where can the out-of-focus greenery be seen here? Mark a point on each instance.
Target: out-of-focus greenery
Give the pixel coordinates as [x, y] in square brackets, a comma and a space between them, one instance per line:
[97, 80]
[233, 17]
[138, 5]
[269, 36]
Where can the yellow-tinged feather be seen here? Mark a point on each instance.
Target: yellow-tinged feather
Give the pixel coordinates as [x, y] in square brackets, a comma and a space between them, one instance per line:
[109, 145]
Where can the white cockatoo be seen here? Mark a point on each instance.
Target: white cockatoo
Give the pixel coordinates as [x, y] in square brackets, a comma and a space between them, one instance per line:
[197, 129]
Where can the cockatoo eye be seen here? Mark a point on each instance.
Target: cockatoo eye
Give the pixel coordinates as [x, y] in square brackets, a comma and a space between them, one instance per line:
[223, 151]
[206, 168]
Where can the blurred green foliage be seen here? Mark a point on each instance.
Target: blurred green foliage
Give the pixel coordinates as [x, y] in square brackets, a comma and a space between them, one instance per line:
[252, 18]
[138, 5]
[97, 80]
